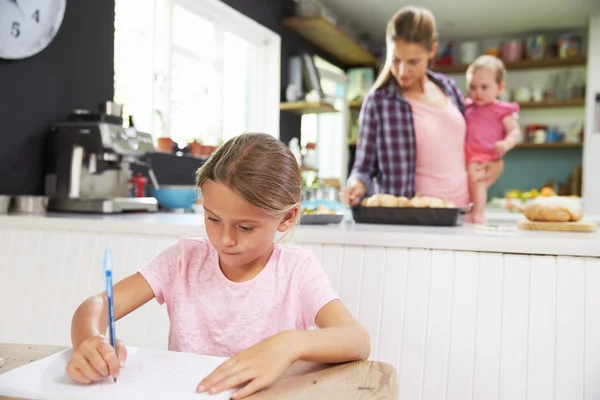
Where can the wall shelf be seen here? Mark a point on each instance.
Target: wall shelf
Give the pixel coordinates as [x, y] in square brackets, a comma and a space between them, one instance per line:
[332, 40]
[525, 64]
[554, 145]
[305, 107]
[522, 105]
[553, 103]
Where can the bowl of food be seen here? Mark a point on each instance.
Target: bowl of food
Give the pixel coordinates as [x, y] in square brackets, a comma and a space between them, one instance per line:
[320, 214]
[176, 197]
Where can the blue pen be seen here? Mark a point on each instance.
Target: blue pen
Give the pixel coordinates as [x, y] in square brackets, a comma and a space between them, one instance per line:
[107, 267]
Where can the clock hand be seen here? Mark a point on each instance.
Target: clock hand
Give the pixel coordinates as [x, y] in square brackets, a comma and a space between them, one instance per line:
[16, 3]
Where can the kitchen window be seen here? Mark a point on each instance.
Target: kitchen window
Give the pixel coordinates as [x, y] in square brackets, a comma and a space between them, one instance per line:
[195, 69]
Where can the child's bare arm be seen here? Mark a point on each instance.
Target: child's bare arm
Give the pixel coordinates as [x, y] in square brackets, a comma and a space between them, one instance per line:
[341, 338]
[90, 319]
[93, 358]
[512, 129]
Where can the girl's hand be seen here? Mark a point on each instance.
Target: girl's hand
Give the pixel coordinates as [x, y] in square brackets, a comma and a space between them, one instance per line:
[96, 359]
[259, 366]
[502, 147]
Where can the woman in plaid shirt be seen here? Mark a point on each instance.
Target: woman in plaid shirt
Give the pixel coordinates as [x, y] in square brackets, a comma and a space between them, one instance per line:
[412, 128]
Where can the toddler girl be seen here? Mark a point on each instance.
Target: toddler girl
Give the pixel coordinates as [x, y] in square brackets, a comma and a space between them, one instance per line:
[235, 294]
[492, 128]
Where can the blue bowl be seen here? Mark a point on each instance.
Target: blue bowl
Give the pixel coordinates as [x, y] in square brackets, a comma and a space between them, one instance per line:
[175, 197]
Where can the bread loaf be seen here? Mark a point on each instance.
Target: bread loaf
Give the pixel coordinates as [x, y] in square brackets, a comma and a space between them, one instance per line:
[402, 201]
[554, 209]
[388, 200]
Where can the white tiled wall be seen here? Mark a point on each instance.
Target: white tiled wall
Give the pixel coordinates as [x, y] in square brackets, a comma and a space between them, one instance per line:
[455, 325]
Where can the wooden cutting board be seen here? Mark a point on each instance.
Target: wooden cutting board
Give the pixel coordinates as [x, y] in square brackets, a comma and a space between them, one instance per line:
[579, 226]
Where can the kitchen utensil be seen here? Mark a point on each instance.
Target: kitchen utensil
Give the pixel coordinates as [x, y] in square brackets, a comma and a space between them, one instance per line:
[409, 216]
[4, 204]
[175, 197]
[579, 226]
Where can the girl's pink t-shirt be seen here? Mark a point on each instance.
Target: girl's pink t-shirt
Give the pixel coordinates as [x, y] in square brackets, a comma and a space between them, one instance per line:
[440, 169]
[212, 315]
[485, 128]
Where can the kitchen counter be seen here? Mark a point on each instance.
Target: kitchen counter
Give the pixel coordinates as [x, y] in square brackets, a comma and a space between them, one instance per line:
[455, 310]
[507, 239]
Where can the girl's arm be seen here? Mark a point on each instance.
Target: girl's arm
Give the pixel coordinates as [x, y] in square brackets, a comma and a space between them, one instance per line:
[91, 320]
[511, 138]
[512, 129]
[340, 337]
[93, 357]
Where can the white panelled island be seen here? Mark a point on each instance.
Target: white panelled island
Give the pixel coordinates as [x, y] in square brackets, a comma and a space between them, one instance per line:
[460, 312]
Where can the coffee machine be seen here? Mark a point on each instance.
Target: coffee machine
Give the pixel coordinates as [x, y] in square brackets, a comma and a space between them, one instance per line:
[91, 158]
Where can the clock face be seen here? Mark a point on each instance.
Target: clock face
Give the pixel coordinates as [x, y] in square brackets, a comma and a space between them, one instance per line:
[28, 26]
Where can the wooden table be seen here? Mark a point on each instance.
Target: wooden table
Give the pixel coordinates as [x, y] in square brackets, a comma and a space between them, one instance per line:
[303, 381]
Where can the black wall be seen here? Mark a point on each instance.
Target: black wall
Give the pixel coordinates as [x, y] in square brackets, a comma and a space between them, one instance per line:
[76, 71]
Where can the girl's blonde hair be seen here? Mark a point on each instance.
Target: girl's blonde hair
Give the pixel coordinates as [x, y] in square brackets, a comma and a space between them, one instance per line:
[260, 169]
[412, 25]
[491, 63]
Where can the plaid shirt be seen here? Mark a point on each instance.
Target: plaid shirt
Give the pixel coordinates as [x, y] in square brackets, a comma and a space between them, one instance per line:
[386, 140]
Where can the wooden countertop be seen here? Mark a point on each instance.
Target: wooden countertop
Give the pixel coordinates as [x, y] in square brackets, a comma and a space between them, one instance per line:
[359, 380]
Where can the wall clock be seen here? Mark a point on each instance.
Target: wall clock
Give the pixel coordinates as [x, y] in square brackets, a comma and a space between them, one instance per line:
[28, 26]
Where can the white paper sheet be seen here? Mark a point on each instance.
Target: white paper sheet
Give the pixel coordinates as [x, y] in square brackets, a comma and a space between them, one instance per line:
[148, 374]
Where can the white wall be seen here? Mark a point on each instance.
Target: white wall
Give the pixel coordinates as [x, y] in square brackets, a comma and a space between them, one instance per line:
[591, 150]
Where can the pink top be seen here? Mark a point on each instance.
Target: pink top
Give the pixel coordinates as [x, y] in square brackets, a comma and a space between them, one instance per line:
[212, 315]
[485, 127]
[440, 169]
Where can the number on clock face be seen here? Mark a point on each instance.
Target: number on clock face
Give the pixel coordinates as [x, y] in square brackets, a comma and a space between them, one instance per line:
[28, 26]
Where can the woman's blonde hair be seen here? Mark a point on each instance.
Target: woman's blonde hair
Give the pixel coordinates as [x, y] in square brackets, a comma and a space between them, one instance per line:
[491, 63]
[412, 25]
[260, 169]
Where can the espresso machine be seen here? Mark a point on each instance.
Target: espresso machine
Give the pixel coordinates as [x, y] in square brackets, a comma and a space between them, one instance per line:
[91, 160]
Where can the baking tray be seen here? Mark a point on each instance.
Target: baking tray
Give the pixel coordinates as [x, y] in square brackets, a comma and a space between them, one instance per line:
[321, 219]
[409, 216]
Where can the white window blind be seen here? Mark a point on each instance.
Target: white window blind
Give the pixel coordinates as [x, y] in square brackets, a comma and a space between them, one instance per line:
[195, 69]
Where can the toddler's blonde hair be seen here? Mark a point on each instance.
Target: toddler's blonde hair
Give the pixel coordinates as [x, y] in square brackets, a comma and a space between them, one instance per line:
[491, 63]
[260, 169]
